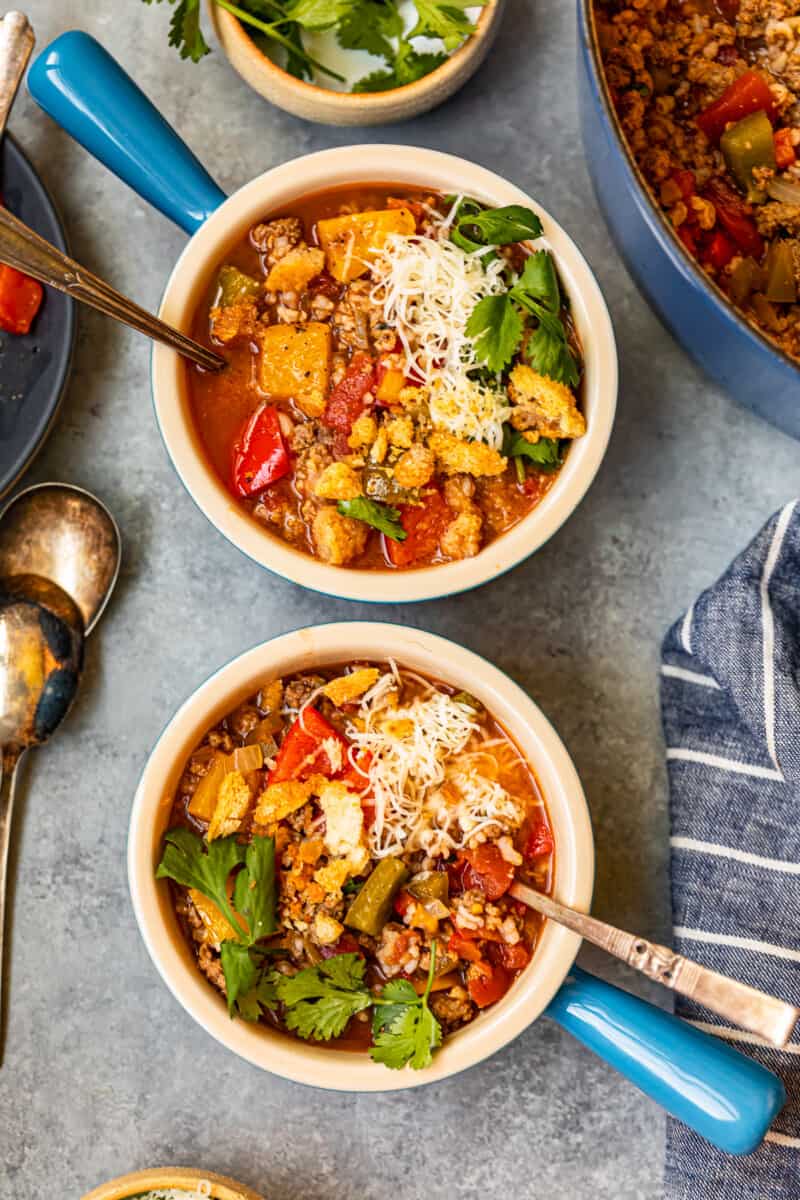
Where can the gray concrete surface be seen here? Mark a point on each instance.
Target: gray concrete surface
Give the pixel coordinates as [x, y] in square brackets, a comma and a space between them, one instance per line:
[104, 1073]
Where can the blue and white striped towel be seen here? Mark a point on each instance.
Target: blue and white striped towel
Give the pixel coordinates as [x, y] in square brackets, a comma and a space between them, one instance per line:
[730, 694]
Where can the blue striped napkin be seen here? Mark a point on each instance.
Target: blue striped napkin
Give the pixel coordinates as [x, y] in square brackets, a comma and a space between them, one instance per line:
[730, 695]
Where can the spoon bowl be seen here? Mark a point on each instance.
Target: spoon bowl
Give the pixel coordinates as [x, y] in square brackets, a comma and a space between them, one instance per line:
[63, 534]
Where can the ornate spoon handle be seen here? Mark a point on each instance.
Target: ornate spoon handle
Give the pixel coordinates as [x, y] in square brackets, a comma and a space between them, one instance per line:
[10, 759]
[20, 247]
[737, 1002]
[16, 43]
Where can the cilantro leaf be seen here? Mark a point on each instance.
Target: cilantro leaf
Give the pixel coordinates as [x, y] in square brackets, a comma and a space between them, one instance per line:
[376, 81]
[544, 454]
[405, 1031]
[538, 281]
[445, 19]
[496, 328]
[320, 1001]
[266, 991]
[408, 66]
[318, 14]
[186, 861]
[548, 352]
[254, 893]
[372, 512]
[502, 226]
[248, 1006]
[240, 972]
[184, 29]
[369, 25]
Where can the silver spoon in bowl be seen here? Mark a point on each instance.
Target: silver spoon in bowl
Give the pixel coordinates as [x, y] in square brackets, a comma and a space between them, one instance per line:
[742, 1005]
[60, 558]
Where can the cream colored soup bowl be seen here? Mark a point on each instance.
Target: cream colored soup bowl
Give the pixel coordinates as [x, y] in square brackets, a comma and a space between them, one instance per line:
[181, 1179]
[307, 1062]
[274, 192]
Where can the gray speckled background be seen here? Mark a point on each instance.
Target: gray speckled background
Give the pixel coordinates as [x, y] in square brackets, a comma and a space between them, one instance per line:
[104, 1072]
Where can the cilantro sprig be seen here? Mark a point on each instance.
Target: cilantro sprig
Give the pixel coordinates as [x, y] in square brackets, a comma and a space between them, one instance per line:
[319, 1002]
[189, 861]
[375, 26]
[372, 512]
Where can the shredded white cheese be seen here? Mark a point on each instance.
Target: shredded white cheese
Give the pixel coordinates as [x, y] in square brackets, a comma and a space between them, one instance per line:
[426, 785]
[201, 1192]
[428, 288]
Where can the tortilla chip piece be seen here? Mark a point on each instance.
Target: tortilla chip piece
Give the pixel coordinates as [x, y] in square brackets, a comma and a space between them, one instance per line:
[350, 687]
[233, 803]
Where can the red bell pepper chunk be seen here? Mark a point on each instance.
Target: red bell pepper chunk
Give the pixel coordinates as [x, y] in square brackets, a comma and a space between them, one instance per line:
[20, 298]
[488, 871]
[685, 181]
[488, 983]
[538, 842]
[301, 754]
[513, 958]
[424, 525]
[346, 402]
[463, 947]
[735, 218]
[688, 238]
[260, 456]
[785, 153]
[720, 251]
[748, 94]
[403, 902]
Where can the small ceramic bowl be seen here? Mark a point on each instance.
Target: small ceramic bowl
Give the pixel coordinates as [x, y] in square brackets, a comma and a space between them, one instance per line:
[434, 656]
[345, 108]
[188, 1179]
[275, 192]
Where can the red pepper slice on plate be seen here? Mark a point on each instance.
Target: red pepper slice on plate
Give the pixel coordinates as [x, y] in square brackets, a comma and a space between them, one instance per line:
[488, 983]
[785, 153]
[346, 402]
[748, 94]
[260, 456]
[488, 870]
[424, 525]
[735, 218]
[20, 298]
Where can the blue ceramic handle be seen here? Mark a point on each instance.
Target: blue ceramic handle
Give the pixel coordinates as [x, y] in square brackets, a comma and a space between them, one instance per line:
[87, 92]
[726, 1097]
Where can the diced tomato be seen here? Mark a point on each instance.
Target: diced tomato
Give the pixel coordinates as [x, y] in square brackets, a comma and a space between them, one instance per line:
[356, 780]
[688, 238]
[785, 153]
[538, 842]
[748, 94]
[300, 754]
[734, 215]
[513, 958]
[346, 402]
[685, 181]
[464, 948]
[20, 298]
[488, 983]
[260, 456]
[424, 525]
[720, 251]
[481, 934]
[729, 9]
[346, 944]
[403, 902]
[488, 871]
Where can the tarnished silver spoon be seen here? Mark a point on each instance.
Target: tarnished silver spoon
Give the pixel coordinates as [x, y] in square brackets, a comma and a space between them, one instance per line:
[41, 657]
[60, 552]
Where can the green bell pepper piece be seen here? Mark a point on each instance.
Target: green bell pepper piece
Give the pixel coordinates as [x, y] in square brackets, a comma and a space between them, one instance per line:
[745, 146]
[371, 908]
[781, 283]
[234, 286]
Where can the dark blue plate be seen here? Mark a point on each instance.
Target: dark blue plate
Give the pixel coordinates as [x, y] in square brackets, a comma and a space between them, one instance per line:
[33, 367]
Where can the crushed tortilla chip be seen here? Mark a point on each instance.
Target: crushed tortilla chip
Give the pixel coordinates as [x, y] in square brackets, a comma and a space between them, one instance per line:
[233, 802]
[350, 687]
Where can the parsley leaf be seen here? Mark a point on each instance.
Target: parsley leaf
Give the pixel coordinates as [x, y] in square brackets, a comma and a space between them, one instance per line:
[445, 19]
[496, 328]
[320, 1001]
[184, 29]
[241, 973]
[544, 454]
[254, 893]
[502, 226]
[369, 25]
[372, 512]
[186, 860]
